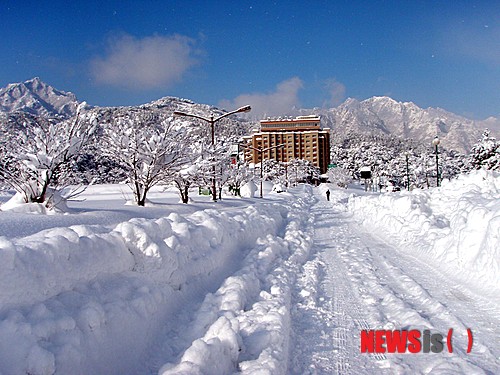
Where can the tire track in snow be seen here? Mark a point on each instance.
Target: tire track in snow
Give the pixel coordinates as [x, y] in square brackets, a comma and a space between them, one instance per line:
[327, 318]
[442, 303]
[349, 317]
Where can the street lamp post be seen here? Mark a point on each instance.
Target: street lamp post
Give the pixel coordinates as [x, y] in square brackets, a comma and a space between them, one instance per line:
[286, 175]
[407, 155]
[212, 122]
[285, 167]
[435, 143]
[261, 150]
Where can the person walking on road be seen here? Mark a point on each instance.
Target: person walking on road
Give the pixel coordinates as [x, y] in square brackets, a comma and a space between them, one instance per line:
[328, 195]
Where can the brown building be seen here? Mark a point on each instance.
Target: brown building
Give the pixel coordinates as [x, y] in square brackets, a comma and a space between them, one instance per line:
[302, 136]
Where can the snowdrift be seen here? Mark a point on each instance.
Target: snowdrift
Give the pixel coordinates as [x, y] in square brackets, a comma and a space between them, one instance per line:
[84, 299]
[456, 226]
[245, 324]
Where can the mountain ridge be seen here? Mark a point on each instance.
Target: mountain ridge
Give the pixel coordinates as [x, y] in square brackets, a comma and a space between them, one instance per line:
[382, 115]
[378, 115]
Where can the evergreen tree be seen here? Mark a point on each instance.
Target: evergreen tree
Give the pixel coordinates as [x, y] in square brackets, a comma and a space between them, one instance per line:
[486, 153]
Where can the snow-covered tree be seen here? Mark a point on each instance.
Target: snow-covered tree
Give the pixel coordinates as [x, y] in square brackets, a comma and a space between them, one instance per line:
[339, 176]
[197, 166]
[300, 170]
[223, 172]
[38, 158]
[213, 159]
[184, 178]
[271, 169]
[386, 155]
[486, 153]
[238, 175]
[148, 146]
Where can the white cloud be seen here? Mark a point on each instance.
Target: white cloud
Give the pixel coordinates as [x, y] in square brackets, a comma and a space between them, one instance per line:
[151, 62]
[281, 101]
[336, 91]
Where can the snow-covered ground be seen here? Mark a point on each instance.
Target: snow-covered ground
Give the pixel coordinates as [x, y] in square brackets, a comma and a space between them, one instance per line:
[277, 285]
[457, 227]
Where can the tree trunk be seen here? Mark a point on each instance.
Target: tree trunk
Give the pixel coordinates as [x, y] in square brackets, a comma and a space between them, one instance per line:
[41, 197]
[184, 194]
[141, 201]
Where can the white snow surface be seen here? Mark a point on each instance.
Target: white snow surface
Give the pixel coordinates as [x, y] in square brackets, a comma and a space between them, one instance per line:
[277, 285]
[456, 226]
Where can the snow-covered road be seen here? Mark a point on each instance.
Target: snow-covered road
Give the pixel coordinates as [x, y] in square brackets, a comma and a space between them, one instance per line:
[355, 281]
[326, 316]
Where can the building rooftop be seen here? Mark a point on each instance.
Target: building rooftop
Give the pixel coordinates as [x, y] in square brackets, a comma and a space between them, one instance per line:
[299, 123]
[312, 118]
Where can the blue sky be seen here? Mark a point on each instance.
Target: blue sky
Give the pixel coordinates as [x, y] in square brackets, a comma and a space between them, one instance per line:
[271, 54]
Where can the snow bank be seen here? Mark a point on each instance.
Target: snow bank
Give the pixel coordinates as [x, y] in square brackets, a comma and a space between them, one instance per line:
[56, 203]
[456, 225]
[85, 299]
[245, 325]
[248, 190]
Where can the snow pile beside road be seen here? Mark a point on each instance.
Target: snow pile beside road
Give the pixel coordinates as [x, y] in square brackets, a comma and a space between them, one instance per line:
[245, 324]
[84, 299]
[456, 226]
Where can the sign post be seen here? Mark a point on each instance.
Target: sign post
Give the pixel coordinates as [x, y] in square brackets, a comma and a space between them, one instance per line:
[366, 174]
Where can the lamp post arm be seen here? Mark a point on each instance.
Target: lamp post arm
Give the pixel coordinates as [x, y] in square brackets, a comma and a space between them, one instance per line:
[177, 113]
[251, 147]
[246, 108]
[270, 148]
[225, 115]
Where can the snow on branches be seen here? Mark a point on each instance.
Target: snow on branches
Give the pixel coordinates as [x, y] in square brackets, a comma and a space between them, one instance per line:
[148, 146]
[37, 158]
[486, 153]
[396, 161]
[339, 176]
[300, 170]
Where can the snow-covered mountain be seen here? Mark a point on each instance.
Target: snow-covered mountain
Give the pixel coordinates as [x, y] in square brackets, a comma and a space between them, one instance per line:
[37, 98]
[386, 116]
[373, 116]
[40, 99]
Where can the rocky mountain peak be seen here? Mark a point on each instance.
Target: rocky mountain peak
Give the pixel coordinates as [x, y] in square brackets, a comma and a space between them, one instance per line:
[37, 98]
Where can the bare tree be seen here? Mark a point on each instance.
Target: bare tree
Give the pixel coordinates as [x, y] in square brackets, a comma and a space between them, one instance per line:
[301, 170]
